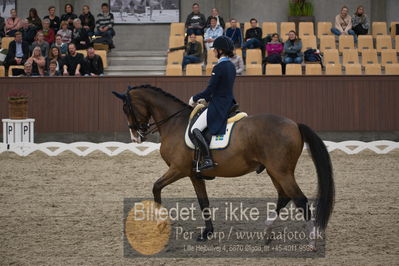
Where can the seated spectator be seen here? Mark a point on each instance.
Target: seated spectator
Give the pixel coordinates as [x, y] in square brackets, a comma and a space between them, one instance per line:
[18, 51]
[38, 62]
[39, 41]
[66, 34]
[73, 62]
[253, 37]
[238, 63]
[13, 24]
[27, 72]
[343, 24]
[34, 20]
[48, 33]
[69, 16]
[55, 56]
[87, 19]
[292, 49]
[63, 47]
[55, 21]
[195, 21]
[52, 69]
[360, 22]
[94, 63]
[234, 33]
[193, 51]
[274, 48]
[212, 33]
[28, 32]
[215, 14]
[105, 26]
[2, 26]
[79, 36]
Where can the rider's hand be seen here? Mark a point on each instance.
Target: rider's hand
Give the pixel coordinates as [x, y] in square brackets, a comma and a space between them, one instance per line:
[191, 102]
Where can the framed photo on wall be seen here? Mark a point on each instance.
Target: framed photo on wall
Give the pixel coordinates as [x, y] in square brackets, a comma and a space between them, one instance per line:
[145, 11]
[6, 6]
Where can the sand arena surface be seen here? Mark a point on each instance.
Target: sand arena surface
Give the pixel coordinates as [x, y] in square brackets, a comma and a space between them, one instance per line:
[68, 209]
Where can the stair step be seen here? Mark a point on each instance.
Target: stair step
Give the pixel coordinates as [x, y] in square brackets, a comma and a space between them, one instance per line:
[136, 68]
[137, 53]
[135, 73]
[137, 61]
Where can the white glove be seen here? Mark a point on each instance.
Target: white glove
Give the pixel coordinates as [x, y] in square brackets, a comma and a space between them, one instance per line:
[191, 102]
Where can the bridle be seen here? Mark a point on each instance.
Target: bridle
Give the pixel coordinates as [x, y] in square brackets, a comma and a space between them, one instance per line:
[144, 128]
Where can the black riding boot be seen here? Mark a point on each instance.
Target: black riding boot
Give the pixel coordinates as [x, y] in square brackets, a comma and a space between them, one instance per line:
[203, 146]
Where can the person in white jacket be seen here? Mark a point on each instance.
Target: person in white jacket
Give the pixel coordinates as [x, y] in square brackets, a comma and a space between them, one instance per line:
[212, 33]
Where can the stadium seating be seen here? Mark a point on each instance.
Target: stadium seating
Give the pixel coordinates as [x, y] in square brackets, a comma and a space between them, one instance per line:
[101, 46]
[176, 41]
[331, 56]
[13, 67]
[309, 42]
[254, 69]
[333, 69]
[373, 69]
[397, 43]
[393, 28]
[254, 56]
[365, 42]
[239, 52]
[379, 28]
[211, 58]
[388, 57]
[346, 42]
[353, 69]
[194, 70]
[392, 69]
[323, 28]
[2, 71]
[208, 69]
[268, 28]
[350, 57]
[103, 55]
[174, 70]
[369, 57]
[383, 42]
[313, 69]
[285, 28]
[327, 42]
[306, 29]
[175, 57]
[5, 42]
[274, 70]
[177, 29]
[293, 70]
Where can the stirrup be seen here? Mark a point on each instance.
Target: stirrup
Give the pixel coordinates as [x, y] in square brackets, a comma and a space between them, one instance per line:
[206, 164]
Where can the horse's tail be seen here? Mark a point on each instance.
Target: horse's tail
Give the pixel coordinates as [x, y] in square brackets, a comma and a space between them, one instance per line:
[321, 159]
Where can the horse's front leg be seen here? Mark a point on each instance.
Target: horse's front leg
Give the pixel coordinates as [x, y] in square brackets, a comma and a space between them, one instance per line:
[169, 177]
[200, 190]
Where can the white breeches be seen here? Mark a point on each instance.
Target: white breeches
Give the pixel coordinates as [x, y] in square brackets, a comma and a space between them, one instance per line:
[201, 122]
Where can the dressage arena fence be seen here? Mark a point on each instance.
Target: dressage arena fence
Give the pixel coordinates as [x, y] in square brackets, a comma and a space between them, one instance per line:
[145, 148]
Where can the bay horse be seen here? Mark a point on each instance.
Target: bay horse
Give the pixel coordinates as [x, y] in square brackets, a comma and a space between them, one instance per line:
[262, 141]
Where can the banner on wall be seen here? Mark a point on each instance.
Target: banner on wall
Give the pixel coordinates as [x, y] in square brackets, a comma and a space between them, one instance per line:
[6, 6]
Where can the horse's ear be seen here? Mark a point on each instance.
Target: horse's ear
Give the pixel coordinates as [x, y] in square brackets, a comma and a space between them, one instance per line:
[120, 96]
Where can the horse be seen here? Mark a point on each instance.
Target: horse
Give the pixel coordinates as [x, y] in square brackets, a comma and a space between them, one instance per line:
[258, 142]
[127, 5]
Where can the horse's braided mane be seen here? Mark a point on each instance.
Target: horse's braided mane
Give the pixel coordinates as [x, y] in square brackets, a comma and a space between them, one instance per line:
[167, 94]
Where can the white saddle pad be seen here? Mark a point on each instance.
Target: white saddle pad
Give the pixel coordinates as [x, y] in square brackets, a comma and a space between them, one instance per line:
[218, 142]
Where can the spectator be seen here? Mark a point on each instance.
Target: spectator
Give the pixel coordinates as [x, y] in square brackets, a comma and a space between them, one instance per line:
[52, 70]
[212, 33]
[88, 21]
[44, 46]
[69, 16]
[55, 21]
[195, 21]
[292, 49]
[2, 26]
[18, 51]
[63, 47]
[28, 32]
[66, 34]
[73, 62]
[343, 23]
[253, 37]
[38, 62]
[13, 23]
[234, 33]
[34, 20]
[238, 63]
[79, 36]
[193, 51]
[94, 63]
[215, 14]
[105, 26]
[55, 56]
[48, 33]
[274, 48]
[360, 22]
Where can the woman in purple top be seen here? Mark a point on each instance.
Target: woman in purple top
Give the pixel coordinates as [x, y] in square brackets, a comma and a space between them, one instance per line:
[274, 48]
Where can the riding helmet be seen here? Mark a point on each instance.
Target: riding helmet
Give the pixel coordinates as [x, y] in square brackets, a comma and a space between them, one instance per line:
[223, 43]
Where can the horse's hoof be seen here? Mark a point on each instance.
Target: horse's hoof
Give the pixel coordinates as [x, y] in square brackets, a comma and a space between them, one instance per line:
[260, 169]
[204, 236]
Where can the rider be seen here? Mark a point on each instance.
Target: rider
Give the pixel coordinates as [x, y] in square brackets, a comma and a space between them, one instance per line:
[219, 95]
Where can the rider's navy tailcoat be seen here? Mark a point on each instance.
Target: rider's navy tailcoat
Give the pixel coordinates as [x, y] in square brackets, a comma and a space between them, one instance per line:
[219, 95]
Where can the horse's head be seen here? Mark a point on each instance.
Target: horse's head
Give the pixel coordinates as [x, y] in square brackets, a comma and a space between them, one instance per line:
[137, 115]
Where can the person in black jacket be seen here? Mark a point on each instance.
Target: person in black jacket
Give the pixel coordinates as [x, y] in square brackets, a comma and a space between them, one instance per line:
[195, 21]
[94, 63]
[28, 32]
[69, 16]
[73, 62]
[253, 36]
[2, 25]
[55, 21]
[18, 51]
[88, 20]
[79, 36]
[215, 14]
